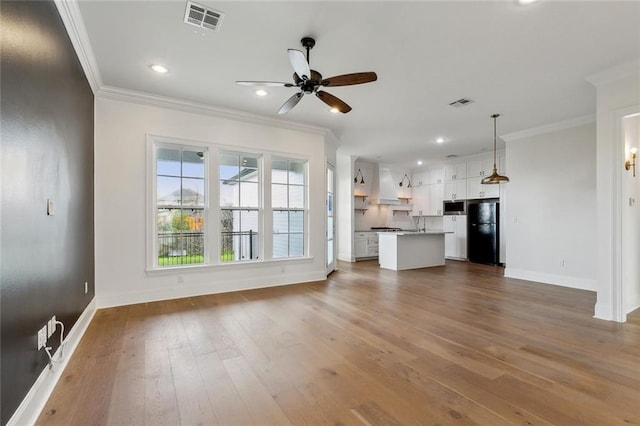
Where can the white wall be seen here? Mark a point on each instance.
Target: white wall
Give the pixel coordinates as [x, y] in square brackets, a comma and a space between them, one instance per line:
[344, 210]
[551, 213]
[631, 220]
[618, 94]
[120, 211]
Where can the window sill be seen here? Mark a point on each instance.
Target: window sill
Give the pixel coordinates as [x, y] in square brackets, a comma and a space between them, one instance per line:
[211, 267]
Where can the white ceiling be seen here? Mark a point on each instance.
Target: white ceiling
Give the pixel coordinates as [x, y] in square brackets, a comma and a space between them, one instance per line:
[526, 62]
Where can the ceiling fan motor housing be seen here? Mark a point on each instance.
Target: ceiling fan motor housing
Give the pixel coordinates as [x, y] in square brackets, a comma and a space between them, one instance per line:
[310, 85]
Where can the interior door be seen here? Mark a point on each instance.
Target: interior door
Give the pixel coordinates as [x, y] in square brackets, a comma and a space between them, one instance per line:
[331, 224]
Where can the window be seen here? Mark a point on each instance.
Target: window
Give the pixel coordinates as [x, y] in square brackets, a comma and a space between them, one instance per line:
[239, 207]
[288, 201]
[206, 205]
[180, 203]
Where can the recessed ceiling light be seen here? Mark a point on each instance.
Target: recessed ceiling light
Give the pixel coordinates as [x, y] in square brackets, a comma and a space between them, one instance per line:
[419, 162]
[526, 1]
[159, 69]
[261, 92]
[334, 110]
[440, 140]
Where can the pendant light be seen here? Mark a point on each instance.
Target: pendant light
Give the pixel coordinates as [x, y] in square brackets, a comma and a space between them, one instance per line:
[495, 177]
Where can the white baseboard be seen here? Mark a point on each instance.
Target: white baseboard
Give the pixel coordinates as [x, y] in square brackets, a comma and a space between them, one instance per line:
[603, 311]
[29, 409]
[560, 280]
[32, 404]
[200, 289]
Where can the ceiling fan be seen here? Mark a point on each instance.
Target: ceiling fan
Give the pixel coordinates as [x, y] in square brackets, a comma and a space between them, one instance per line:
[309, 81]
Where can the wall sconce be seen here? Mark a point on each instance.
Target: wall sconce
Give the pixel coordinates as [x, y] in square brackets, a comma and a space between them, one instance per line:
[355, 179]
[632, 164]
[407, 179]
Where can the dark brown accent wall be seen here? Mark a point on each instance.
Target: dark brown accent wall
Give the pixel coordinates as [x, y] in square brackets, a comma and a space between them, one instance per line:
[46, 152]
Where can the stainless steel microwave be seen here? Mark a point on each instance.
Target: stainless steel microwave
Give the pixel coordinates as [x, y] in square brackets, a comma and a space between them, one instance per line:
[455, 207]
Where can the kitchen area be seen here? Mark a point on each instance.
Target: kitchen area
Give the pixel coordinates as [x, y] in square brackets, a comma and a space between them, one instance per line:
[417, 218]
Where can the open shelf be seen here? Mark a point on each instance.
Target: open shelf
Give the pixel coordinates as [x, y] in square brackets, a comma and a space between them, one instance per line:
[360, 210]
[405, 199]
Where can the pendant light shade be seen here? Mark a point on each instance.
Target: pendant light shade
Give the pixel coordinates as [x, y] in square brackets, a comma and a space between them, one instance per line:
[495, 176]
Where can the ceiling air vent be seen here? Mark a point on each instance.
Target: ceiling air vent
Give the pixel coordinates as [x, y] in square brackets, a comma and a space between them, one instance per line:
[452, 156]
[202, 17]
[461, 102]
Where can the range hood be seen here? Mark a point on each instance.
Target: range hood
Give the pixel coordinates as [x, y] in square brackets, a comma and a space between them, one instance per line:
[384, 188]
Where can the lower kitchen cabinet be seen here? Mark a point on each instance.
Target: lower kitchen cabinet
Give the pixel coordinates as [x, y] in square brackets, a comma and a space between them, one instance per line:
[365, 245]
[455, 242]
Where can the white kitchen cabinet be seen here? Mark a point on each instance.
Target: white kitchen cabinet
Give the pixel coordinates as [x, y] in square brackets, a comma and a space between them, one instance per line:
[455, 190]
[361, 244]
[365, 244]
[372, 244]
[455, 240]
[436, 197]
[436, 176]
[479, 168]
[420, 178]
[420, 200]
[475, 189]
[454, 172]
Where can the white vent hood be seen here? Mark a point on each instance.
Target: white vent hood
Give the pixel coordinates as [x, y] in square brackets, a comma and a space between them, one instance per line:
[384, 188]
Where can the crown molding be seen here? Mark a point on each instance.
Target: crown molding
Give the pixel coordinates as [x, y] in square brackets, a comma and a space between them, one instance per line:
[143, 98]
[555, 127]
[627, 69]
[73, 23]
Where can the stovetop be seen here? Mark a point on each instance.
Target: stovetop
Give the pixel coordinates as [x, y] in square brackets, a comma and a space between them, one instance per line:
[385, 229]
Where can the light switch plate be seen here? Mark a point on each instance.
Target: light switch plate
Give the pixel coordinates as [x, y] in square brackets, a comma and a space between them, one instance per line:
[49, 207]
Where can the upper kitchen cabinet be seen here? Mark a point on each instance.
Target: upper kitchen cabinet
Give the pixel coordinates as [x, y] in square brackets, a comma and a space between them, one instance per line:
[475, 188]
[454, 172]
[420, 178]
[420, 200]
[455, 190]
[484, 167]
[436, 176]
[479, 168]
[436, 197]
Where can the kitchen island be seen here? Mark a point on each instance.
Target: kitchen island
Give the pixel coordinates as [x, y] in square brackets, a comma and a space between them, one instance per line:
[410, 250]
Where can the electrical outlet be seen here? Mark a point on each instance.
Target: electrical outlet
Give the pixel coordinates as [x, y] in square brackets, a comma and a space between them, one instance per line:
[86, 287]
[51, 326]
[42, 337]
[180, 279]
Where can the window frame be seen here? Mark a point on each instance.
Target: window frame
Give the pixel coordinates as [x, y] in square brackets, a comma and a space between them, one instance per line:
[260, 208]
[304, 209]
[212, 208]
[153, 143]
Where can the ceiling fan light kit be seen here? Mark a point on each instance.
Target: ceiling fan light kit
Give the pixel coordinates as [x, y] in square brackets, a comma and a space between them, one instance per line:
[495, 177]
[310, 81]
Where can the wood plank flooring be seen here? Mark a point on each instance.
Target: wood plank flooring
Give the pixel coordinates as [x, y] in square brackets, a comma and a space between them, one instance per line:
[457, 344]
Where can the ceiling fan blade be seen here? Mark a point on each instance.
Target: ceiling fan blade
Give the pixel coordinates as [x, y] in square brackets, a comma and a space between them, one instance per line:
[291, 102]
[264, 83]
[333, 102]
[299, 63]
[350, 79]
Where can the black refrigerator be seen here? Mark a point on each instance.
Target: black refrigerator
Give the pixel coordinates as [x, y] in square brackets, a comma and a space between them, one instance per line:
[483, 233]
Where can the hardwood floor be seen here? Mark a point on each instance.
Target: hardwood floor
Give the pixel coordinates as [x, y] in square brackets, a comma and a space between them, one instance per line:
[458, 344]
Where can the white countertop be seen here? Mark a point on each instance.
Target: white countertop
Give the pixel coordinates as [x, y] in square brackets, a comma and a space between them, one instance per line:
[400, 233]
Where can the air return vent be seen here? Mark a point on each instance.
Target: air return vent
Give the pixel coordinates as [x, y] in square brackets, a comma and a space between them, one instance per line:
[461, 102]
[202, 17]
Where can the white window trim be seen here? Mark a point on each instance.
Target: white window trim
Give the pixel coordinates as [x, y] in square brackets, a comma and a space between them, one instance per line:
[212, 236]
